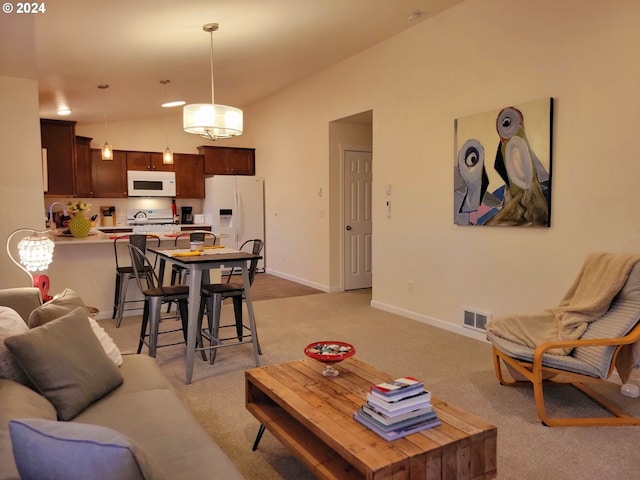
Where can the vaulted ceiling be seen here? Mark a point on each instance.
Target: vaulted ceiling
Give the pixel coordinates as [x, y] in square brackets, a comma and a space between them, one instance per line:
[262, 46]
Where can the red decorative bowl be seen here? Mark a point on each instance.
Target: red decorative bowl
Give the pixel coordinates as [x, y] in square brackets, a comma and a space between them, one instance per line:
[329, 352]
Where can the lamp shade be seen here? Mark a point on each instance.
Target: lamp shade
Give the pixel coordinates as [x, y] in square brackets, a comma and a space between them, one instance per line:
[36, 252]
[212, 121]
[107, 151]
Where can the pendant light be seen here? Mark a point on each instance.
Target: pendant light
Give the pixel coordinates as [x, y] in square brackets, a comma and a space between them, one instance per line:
[210, 120]
[107, 151]
[167, 155]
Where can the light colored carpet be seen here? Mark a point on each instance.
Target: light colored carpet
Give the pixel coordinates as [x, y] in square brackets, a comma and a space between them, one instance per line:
[454, 368]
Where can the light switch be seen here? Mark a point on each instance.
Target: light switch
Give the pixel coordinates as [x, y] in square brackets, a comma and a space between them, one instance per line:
[388, 209]
[387, 189]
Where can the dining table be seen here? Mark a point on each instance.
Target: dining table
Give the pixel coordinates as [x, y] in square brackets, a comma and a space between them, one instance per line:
[199, 263]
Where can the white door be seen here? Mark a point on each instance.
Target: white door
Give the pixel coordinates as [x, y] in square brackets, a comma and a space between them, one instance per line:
[357, 220]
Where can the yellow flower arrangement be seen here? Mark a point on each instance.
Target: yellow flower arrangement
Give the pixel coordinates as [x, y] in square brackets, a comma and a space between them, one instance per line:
[78, 207]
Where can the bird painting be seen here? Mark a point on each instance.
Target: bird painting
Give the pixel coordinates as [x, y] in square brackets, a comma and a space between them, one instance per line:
[525, 202]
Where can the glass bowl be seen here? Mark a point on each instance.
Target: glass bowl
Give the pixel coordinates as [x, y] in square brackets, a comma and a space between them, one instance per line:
[329, 352]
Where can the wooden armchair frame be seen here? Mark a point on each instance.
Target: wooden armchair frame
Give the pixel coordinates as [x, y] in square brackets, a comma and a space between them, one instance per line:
[538, 374]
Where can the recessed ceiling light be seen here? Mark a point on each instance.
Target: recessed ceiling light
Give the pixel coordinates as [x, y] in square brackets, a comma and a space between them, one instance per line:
[64, 111]
[176, 103]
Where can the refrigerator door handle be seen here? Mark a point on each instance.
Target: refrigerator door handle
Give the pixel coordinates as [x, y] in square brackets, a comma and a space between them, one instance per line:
[238, 210]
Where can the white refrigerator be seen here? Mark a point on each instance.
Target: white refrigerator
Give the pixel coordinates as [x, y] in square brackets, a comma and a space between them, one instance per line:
[235, 206]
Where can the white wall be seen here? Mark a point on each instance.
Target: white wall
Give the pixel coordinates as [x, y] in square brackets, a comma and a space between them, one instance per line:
[481, 55]
[21, 180]
[20, 158]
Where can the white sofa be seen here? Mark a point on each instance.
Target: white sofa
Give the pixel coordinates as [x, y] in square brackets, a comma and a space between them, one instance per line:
[144, 408]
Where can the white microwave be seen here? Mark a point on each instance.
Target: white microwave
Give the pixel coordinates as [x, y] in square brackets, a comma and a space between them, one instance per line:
[141, 183]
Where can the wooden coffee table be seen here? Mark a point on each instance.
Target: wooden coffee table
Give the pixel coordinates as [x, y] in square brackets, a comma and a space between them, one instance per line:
[312, 415]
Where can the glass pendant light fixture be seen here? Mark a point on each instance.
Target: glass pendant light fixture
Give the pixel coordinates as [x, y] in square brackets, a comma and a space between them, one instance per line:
[167, 155]
[211, 120]
[107, 151]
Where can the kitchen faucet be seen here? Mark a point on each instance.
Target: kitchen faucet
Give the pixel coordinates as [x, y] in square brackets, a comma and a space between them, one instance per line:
[52, 224]
[140, 212]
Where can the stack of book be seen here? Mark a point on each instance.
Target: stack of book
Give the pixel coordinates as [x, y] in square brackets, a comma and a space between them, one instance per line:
[397, 409]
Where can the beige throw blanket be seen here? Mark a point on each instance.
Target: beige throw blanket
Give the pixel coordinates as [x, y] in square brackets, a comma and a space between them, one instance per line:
[601, 278]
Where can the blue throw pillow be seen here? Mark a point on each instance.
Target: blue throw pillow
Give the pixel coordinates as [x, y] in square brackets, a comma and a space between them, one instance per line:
[54, 450]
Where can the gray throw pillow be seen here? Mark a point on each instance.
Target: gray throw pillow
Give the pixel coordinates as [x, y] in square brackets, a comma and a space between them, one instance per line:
[60, 305]
[45, 449]
[11, 323]
[66, 363]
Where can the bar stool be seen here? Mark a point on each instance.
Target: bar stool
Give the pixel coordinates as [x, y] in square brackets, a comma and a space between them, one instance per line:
[178, 272]
[214, 294]
[154, 296]
[125, 272]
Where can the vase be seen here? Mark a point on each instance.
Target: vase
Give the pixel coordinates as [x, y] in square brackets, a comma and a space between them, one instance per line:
[79, 226]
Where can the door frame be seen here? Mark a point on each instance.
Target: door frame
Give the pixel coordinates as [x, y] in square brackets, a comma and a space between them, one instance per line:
[348, 148]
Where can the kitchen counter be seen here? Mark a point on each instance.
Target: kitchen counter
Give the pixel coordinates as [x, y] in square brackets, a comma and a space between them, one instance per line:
[97, 236]
[87, 266]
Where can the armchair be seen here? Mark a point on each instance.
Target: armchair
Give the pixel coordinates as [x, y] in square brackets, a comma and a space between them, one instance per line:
[593, 357]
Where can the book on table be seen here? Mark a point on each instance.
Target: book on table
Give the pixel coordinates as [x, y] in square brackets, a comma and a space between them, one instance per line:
[386, 419]
[398, 424]
[399, 432]
[419, 400]
[398, 388]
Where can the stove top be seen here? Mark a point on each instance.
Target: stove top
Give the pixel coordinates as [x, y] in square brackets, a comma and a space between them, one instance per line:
[156, 216]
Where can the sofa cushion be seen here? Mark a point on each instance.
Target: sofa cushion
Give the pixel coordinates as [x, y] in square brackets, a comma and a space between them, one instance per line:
[50, 449]
[67, 364]
[59, 306]
[64, 303]
[18, 401]
[147, 404]
[11, 323]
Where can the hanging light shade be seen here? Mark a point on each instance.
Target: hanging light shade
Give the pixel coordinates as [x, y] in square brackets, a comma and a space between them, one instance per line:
[107, 151]
[167, 155]
[211, 120]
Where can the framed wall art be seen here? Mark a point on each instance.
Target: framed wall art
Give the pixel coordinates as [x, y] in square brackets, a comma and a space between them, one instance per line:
[502, 166]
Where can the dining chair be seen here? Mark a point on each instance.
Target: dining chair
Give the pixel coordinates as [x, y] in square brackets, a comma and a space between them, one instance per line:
[155, 295]
[178, 273]
[213, 295]
[124, 270]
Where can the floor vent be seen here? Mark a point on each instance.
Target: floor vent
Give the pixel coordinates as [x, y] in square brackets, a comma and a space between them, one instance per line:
[475, 319]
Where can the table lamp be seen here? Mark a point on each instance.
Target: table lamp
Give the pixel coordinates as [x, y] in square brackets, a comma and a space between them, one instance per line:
[36, 253]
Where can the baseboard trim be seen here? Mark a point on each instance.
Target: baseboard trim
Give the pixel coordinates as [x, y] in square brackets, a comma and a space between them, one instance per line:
[434, 322]
[302, 281]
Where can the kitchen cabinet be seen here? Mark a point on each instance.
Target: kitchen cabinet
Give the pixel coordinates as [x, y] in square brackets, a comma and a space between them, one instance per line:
[58, 137]
[228, 160]
[189, 170]
[151, 161]
[83, 180]
[109, 177]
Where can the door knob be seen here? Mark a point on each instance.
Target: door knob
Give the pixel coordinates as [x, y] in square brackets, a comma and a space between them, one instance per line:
[348, 227]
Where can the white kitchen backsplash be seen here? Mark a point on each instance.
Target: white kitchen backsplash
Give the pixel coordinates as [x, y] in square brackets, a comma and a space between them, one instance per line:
[124, 204]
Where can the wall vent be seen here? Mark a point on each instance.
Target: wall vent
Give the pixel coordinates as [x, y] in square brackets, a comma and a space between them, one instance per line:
[475, 319]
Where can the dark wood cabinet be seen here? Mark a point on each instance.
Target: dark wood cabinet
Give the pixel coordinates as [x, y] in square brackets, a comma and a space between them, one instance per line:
[109, 177]
[228, 160]
[58, 137]
[83, 179]
[151, 161]
[189, 170]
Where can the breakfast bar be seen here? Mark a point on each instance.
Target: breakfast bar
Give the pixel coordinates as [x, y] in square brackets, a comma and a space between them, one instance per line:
[87, 266]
